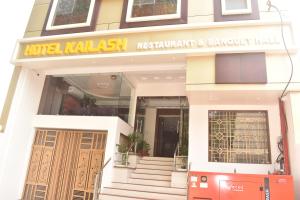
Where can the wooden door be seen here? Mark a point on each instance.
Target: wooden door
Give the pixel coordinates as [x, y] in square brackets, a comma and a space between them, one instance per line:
[64, 164]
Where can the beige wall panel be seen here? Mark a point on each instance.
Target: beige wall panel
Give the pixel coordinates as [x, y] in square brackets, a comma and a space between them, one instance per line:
[110, 11]
[196, 7]
[114, 26]
[102, 27]
[279, 68]
[32, 34]
[200, 70]
[283, 5]
[273, 15]
[37, 2]
[37, 18]
[201, 19]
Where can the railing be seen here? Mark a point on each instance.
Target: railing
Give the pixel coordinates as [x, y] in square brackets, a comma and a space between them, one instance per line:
[179, 160]
[175, 154]
[188, 179]
[98, 180]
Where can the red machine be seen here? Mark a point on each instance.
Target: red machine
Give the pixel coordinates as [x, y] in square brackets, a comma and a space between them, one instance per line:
[222, 186]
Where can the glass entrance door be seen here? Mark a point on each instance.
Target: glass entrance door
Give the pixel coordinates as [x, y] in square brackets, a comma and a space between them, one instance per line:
[167, 132]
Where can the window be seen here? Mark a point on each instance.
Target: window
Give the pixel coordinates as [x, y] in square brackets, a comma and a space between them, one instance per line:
[241, 68]
[86, 95]
[233, 7]
[72, 15]
[239, 137]
[236, 10]
[139, 13]
[148, 10]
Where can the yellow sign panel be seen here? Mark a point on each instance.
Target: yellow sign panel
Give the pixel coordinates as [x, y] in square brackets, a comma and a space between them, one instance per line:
[76, 47]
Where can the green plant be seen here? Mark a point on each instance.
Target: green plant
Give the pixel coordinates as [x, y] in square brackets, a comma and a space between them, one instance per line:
[184, 150]
[133, 138]
[143, 148]
[123, 149]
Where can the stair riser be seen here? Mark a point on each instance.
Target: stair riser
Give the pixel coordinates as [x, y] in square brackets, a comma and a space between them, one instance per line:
[152, 177]
[158, 159]
[150, 171]
[149, 182]
[108, 197]
[150, 188]
[170, 168]
[137, 194]
[154, 162]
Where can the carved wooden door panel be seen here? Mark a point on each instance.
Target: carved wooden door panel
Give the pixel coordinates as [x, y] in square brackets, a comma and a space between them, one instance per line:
[64, 164]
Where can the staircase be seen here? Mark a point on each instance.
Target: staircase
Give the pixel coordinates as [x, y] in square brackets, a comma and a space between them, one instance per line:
[151, 180]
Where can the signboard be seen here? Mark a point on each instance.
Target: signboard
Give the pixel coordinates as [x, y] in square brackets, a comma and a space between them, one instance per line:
[206, 40]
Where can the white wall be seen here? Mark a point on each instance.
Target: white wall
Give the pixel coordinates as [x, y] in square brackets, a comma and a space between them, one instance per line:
[198, 139]
[292, 107]
[16, 141]
[14, 15]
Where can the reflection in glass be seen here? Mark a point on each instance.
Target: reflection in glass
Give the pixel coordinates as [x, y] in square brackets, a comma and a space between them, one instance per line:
[236, 4]
[90, 95]
[142, 8]
[71, 12]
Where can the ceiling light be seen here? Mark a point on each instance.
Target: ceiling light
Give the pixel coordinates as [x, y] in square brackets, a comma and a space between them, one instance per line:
[156, 78]
[144, 78]
[113, 77]
[102, 85]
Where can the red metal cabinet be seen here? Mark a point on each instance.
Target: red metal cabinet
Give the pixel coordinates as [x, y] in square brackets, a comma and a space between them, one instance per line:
[222, 186]
[230, 190]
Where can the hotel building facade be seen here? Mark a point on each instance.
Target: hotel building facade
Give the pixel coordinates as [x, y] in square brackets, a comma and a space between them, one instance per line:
[199, 83]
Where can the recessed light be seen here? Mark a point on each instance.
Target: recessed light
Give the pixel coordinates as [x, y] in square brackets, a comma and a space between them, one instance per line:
[102, 85]
[144, 78]
[156, 78]
[113, 77]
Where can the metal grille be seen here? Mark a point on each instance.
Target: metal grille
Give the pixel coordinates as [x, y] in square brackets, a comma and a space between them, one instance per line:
[239, 137]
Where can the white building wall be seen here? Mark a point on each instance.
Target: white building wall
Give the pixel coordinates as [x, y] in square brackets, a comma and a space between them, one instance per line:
[15, 143]
[198, 139]
[292, 106]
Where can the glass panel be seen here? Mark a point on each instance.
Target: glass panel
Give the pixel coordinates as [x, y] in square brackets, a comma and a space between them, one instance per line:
[71, 12]
[90, 95]
[142, 8]
[236, 4]
[238, 137]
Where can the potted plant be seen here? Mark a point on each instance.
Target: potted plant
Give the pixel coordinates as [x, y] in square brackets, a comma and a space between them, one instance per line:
[143, 148]
[123, 149]
[183, 151]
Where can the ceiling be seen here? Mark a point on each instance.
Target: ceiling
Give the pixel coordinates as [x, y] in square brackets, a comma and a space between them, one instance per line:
[175, 76]
[100, 85]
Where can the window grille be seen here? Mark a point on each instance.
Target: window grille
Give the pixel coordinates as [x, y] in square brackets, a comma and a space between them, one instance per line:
[239, 137]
